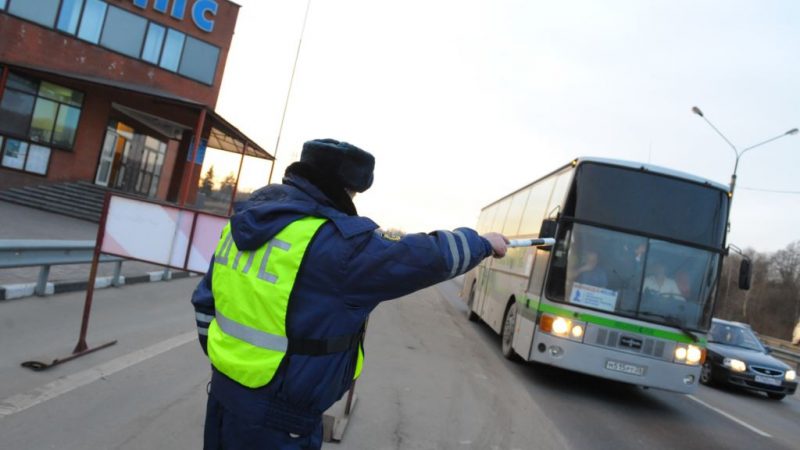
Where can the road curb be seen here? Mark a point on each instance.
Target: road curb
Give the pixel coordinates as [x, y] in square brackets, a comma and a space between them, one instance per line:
[24, 290]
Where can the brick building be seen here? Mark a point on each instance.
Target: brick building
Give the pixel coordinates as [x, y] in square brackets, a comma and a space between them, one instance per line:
[117, 93]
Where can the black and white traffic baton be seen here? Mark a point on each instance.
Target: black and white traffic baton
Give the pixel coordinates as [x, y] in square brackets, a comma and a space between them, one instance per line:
[544, 242]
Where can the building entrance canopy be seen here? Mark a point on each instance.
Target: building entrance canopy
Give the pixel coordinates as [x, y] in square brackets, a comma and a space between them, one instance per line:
[167, 117]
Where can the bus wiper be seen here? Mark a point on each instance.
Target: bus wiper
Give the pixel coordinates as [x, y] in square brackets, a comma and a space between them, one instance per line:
[669, 320]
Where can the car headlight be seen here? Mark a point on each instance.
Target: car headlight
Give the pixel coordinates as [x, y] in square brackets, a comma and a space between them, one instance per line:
[790, 375]
[689, 354]
[734, 364]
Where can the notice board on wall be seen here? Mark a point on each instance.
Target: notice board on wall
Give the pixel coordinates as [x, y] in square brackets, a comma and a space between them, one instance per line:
[166, 235]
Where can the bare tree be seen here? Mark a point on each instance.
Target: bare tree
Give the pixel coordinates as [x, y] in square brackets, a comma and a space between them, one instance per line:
[772, 305]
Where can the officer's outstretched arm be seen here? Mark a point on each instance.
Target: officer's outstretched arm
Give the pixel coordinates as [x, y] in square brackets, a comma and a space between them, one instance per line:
[383, 268]
[203, 302]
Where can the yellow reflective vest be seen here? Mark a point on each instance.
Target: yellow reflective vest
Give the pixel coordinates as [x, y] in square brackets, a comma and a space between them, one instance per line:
[247, 338]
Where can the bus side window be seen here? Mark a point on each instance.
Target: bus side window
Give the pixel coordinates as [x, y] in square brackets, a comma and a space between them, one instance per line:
[535, 207]
[500, 217]
[518, 202]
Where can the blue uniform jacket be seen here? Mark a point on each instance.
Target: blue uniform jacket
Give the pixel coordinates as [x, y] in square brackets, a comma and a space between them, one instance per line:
[348, 269]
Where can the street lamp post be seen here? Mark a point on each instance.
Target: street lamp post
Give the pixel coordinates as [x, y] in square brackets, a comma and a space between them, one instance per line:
[739, 153]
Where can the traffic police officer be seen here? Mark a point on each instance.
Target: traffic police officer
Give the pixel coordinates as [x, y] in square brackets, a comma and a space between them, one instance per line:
[281, 311]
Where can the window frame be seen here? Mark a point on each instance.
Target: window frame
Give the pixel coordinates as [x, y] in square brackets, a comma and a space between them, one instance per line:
[59, 104]
[4, 143]
[138, 58]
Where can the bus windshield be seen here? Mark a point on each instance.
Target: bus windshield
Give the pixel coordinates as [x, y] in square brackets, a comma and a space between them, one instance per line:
[650, 204]
[633, 276]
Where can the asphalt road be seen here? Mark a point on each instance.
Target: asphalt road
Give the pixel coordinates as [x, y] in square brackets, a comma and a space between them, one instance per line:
[432, 380]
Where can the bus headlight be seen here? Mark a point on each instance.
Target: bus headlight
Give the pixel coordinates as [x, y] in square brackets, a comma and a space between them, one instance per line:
[734, 364]
[562, 327]
[691, 355]
[695, 355]
[790, 375]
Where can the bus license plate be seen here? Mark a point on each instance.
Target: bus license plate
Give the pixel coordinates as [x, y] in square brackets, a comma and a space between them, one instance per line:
[631, 369]
[768, 380]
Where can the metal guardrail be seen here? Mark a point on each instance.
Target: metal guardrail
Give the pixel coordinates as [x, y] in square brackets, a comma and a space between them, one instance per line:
[783, 350]
[789, 357]
[46, 253]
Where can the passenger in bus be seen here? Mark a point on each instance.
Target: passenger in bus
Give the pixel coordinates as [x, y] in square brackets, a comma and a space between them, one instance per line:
[659, 283]
[590, 272]
[684, 282]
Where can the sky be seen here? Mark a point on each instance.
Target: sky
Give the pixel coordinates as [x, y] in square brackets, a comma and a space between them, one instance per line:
[462, 102]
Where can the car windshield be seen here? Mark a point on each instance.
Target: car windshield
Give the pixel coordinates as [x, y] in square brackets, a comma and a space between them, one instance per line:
[734, 335]
[633, 276]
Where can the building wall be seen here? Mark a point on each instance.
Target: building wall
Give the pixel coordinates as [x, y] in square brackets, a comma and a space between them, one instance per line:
[42, 53]
[29, 44]
[81, 162]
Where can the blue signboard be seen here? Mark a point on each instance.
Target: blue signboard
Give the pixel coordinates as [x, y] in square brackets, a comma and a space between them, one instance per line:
[201, 151]
[200, 10]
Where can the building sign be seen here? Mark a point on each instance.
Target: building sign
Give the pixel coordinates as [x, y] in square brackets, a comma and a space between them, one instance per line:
[201, 9]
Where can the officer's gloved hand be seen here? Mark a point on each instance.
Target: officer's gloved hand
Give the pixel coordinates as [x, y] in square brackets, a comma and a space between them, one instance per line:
[498, 242]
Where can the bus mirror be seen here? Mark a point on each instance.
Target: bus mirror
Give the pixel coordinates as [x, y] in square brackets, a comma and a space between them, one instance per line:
[548, 229]
[745, 274]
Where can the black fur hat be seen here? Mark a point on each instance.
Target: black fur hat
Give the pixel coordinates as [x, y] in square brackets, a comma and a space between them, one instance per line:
[346, 164]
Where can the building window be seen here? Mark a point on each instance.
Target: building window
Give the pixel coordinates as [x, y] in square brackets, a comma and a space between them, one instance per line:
[24, 156]
[42, 12]
[38, 159]
[94, 12]
[14, 154]
[42, 112]
[153, 43]
[69, 16]
[173, 48]
[199, 60]
[44, 118]
[123, 32]
[66, 126]
[15, 112]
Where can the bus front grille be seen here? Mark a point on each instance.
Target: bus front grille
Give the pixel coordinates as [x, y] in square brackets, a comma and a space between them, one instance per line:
[630, 342]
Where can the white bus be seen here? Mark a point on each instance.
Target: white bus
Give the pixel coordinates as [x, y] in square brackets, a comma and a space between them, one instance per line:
[627, 292]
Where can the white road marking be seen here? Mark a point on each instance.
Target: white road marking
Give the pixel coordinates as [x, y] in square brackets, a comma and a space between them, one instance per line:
[735, 419]
[20, 402]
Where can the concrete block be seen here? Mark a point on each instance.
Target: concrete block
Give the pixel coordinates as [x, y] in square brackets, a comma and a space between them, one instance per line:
[19, 290]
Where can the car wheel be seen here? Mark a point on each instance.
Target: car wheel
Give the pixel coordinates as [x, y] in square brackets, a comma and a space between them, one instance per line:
[471, 316]
[507, 334]
[705, 374]
[774, 396]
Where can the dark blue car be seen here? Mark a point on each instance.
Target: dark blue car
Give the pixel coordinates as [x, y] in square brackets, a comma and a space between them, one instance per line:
[736, 357]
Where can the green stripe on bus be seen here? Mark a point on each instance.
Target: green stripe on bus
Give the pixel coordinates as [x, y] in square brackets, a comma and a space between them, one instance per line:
[624, 326]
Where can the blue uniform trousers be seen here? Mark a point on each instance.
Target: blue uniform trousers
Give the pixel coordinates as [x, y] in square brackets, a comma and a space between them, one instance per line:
[226, 431]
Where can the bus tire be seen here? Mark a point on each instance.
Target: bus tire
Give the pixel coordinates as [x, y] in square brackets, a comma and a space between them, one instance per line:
[507, 333]
[471, 316]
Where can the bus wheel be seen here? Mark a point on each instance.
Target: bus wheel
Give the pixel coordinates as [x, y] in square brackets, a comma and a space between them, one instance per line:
[471, 316]
[509, 324]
